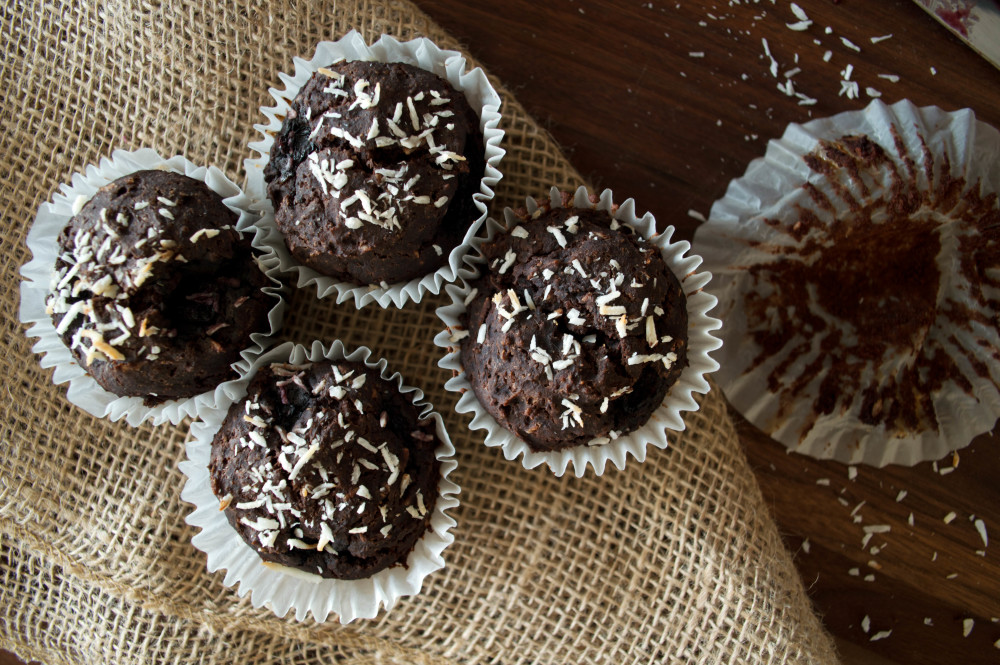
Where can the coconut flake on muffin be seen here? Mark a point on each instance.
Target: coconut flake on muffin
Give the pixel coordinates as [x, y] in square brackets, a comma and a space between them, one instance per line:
[326, 468]
[577, 330]
[154, 290]
[372, 174]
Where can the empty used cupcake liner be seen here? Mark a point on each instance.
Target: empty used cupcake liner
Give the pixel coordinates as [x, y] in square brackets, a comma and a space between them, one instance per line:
[283, 589]
[931, 145]
[423, 53]
[667, 416]
[43, 241]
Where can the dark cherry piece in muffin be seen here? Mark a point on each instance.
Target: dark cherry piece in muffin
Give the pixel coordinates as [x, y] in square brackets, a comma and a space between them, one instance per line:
[154, 291]
[577, 330]
[326, 468]
[373, 172]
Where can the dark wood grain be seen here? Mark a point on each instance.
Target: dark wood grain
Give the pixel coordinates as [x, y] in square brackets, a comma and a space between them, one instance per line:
[7, 658]
[914, 564]
[635, 112]
[618, 87]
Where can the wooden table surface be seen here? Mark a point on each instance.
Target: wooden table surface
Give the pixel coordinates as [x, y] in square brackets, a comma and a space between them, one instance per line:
[667, 102]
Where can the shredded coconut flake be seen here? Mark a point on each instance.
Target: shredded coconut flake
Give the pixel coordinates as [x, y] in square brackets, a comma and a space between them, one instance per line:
[877, 528]
[849, 44]
[78, 203]
[981, 528]
[509, 258]
[611, 310]
[560, 238]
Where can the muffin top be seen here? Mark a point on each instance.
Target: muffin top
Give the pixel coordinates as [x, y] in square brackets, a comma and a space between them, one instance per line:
[154, 291]
[372, 174]
[327, 468]
[576, 332]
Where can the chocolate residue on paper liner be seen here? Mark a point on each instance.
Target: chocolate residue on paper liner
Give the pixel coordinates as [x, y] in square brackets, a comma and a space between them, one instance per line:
[858, 296]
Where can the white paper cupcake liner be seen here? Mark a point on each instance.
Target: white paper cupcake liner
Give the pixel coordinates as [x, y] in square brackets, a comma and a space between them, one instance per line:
[681, 395]
[771, 188]
[282, 589]
[43, 239]
[423, 53]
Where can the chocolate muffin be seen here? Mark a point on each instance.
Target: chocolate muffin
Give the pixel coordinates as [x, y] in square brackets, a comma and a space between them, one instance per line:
[327, 468]
[373, 172]
[577, 330]
[154, 291]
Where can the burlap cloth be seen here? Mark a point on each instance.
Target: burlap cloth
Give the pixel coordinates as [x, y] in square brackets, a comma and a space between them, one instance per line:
[673, 560]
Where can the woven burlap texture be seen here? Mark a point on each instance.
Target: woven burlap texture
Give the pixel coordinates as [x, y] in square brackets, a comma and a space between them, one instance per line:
[672, 560]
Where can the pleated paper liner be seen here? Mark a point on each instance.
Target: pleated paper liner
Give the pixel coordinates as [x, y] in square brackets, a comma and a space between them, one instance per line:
[944, 162]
